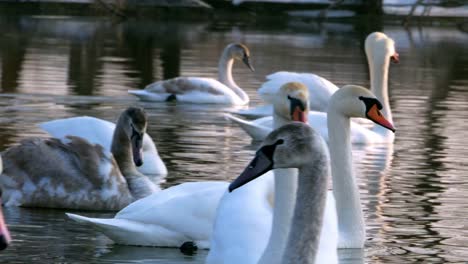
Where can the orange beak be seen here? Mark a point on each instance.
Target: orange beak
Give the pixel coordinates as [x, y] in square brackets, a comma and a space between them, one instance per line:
[395, 58]
[299, 115]
[4, 234]
[375, 115]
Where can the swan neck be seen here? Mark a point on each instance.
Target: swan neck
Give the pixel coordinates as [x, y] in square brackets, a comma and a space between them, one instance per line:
[138, 184]
[279, 121]
[306, 225]
[350, 218]
[285, 194]
[225, 75]
[378, 70]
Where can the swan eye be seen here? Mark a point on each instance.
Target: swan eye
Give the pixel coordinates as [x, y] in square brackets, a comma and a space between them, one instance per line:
[279, 142]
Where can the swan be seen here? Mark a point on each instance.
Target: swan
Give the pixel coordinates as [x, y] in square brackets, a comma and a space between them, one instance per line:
[203, 90]
[349, 101]
[296, 145]
[167, 218]
[72, 173]
[379, 50]
[150, 221]
[4, 233]
[99, 131]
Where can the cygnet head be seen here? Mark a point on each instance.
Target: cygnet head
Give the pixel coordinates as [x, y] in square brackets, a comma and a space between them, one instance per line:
[379, 47]
[294, 145]
[357, 101]
[292, 102]
[135, 123]
[240, 52]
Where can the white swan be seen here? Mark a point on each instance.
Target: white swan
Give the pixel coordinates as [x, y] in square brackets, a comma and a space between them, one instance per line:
[98, 131]
[296, 145]
[72, 173]
[203, 90]
[379, 49]
[4, 233]
[167, 218]
[349, 101]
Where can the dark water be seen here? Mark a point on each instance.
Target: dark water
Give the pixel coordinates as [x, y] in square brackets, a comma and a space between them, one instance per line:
[414, 192]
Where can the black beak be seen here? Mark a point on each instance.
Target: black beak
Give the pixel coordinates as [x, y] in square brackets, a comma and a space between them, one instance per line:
[246, 61]
[137, 144]
[260, 164]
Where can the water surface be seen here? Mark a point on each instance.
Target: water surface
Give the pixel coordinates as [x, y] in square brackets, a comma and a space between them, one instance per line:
[414, 192]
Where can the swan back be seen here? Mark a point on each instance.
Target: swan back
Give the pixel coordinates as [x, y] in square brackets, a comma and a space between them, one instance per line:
[69, 173]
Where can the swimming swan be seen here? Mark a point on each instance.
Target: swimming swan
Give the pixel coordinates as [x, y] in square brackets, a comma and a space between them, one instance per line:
[99, 131]
[349, 101]
[379, 49]
[72, 173]
[203, 90]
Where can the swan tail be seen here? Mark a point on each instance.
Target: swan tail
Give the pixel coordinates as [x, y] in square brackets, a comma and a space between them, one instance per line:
[129, 232]
[257, 132]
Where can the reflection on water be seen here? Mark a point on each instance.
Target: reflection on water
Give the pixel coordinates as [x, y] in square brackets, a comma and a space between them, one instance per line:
[414, 192]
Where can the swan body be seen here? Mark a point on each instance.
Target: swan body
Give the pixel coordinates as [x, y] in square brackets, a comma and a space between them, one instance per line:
[380, 50]
[167, 218]
[73, 173]
[99, 131]
[203, 90]
[344, 226]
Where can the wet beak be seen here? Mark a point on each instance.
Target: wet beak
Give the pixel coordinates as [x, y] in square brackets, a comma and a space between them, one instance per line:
[375, 115]
[257, 167]
[395, 58]
[4, 234]
[246, 61]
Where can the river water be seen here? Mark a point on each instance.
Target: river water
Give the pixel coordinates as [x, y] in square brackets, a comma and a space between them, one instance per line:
[414, 192]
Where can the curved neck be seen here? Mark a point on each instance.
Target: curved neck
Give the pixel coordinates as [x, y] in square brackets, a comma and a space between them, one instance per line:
[138, 184]
[378, 71]
[285, 198]
[306, 225]
[225, 75]
[348, 206]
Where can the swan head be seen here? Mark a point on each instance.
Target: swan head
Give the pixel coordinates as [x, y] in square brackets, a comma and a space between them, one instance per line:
[292, 102]
[379, 47]
[240, 52]
[294, 145]
[4, 234]
[135, 121]
[357, 101]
